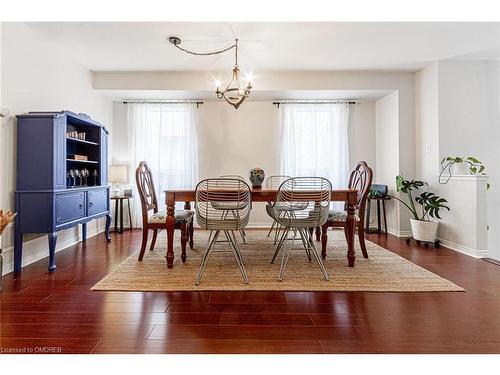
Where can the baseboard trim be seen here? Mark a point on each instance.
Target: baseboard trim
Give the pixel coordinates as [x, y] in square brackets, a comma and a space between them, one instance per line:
[494, 261]
[37, 249]
[475, 253]
[399, 233]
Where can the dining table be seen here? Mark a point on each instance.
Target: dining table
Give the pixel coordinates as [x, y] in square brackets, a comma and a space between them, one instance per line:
[172, 196]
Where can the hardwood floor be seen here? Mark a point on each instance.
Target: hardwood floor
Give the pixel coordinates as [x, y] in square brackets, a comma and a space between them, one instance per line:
[58, 313]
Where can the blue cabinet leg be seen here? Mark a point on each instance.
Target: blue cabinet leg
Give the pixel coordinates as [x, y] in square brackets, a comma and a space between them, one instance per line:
[18, 249]
[52, 251]
[84, 232]
[106, 230]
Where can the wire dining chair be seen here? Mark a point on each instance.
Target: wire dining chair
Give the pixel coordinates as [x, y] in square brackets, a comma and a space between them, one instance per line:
[214, 192]
[273, 183]
[228, 207]
[307, 200]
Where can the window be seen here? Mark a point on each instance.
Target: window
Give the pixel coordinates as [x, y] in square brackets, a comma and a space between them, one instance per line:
[314, 141]
[164, 135]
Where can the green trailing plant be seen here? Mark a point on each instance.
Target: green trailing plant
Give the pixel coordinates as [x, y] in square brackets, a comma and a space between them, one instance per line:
[475, 167]
[430, 203]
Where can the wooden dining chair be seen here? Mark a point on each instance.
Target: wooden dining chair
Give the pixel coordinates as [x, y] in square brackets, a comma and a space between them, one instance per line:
[158, 220]
[361, 180]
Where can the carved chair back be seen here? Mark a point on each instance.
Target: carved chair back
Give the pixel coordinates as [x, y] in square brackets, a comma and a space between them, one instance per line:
[146, 190]
[361, 180]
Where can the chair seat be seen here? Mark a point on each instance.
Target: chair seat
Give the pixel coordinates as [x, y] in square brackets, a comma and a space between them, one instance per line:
[294, 206]
[226, 206]
[181, 217]
[335, 215]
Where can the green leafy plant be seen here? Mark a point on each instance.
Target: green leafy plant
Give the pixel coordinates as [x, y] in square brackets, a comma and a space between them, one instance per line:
[430, 203]
[475, 166]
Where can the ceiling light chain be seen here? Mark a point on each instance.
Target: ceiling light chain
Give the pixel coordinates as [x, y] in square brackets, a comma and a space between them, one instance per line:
[234, 94]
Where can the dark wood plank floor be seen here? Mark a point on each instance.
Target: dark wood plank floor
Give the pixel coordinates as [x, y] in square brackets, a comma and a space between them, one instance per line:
[41, 311]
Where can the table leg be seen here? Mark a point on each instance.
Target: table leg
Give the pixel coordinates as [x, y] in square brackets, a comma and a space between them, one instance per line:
[350, 228]
[129, 215]
[385, 218]
[116, 215]
[379, 227]
[170, 228]
[121, 215]
[368, 214]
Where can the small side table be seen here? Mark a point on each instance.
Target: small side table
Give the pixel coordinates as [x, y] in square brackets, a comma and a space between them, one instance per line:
[378, 200]
[119, 204]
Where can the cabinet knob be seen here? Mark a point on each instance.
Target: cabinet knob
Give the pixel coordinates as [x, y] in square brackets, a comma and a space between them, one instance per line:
[80, 206]
[91, 204]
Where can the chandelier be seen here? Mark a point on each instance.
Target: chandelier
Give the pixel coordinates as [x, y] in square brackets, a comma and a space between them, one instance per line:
[234, 93]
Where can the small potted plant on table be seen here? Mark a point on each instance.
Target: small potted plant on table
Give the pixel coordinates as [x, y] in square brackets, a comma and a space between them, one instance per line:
[423, 228]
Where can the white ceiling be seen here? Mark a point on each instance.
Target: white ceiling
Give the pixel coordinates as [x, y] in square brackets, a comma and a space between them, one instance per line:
[113, 46]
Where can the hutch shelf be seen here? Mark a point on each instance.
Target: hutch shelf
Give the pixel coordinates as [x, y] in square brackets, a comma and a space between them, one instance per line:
[54, 191]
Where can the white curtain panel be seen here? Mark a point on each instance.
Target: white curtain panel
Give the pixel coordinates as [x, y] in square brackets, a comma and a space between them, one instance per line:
[315, 142]
[163, 135]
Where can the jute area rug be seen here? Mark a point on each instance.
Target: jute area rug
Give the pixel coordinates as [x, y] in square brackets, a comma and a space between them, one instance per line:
[384, 271]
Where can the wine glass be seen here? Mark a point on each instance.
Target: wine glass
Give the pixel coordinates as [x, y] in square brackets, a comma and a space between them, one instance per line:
[77, 175]
[73, 178]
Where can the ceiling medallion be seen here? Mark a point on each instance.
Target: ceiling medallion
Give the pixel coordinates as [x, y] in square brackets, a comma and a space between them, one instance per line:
[234, 93]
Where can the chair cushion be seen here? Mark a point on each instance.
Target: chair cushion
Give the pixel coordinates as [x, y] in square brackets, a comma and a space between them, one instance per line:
[226, 206]
[181, 216]
[294, 206]
[335, 215]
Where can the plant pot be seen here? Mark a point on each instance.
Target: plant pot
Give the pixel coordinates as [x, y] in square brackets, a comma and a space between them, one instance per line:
[257, 176]
[424, 230]
[1, 262]
[460, 169]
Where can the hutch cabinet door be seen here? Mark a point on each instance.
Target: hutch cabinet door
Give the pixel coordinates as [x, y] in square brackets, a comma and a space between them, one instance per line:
[98, 201]
[69, 207]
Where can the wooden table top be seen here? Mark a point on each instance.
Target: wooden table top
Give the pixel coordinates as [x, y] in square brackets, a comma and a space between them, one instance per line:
[259, 195]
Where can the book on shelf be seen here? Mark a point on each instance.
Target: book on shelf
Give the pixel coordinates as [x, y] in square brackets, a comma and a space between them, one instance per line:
[75, 135]
[80, 157]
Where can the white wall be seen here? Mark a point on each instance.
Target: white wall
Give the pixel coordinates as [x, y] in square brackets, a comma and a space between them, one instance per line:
[234, 141]
[37, 76]
[386, 154]
[469, 125]
[457, 113]
[427, 123]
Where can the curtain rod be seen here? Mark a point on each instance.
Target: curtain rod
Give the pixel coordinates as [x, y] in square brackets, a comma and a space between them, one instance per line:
[161, 101]
[277, 103]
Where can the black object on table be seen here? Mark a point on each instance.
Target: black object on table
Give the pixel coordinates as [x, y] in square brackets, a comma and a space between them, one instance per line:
[378, 193]
[119, 205]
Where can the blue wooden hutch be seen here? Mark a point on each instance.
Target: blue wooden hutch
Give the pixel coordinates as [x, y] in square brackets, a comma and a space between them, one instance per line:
[62, 176]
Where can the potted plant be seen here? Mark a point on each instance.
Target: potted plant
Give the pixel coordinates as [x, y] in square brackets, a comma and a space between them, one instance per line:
[457, 165]
[422, 227]
[5, 219]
